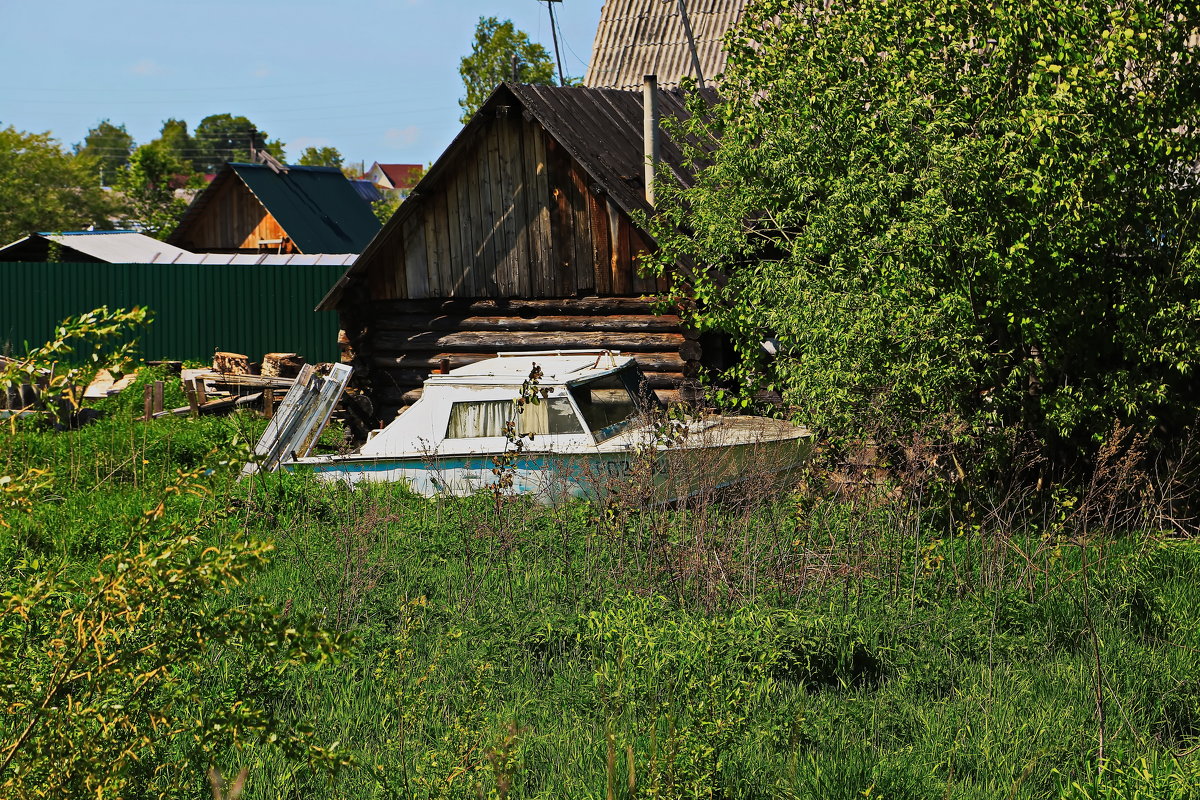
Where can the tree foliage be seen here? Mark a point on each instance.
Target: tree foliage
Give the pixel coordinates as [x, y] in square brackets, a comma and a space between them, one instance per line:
[105, 149]
[223, 137]
[149, 185]
[176, 139]
[321, 157]
[157, 170]
[986, 209]
[491, 62]
[59, 369]
[43, 188]
[385, 208]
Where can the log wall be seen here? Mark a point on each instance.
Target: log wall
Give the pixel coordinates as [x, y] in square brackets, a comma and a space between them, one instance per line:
[513, 216]
[394, 345]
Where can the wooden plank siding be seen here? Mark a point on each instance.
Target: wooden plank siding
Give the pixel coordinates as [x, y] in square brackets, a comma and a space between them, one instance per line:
[511, 244]
[236, 221]
[395, 344]
[536, 211]
[517, 218]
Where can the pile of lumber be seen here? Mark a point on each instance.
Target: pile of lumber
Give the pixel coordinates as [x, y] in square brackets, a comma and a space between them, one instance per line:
[106, 385]
[235, 382]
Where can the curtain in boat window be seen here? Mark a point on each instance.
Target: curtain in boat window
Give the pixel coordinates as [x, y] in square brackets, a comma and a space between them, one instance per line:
[487, 417]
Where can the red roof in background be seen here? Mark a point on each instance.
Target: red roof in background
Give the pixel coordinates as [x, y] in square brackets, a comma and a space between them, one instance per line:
[402, 176]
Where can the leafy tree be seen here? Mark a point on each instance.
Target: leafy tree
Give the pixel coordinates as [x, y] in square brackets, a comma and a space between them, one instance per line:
[43, 188]
[385, 208]
[223, 137]
[986, 209]
[321, 157]
[149, 185]
[59, 369]
[491, 62]
[175, 137]
[106, 149]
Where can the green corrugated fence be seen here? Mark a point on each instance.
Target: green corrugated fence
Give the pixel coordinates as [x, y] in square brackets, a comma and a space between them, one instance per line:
[198, 308]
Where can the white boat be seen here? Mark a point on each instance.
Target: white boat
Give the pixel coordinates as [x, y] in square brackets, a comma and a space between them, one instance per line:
[555, 425]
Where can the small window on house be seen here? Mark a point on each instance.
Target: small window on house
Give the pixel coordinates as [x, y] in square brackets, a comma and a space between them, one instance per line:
[481, 418]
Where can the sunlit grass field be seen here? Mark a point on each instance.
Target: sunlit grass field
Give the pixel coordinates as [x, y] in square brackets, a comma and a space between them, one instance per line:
[843, 640]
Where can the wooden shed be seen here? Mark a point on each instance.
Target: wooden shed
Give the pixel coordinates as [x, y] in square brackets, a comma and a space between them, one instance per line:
[276, 208]
[522, 236]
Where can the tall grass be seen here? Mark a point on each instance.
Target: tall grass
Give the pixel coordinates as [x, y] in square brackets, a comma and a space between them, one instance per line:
[887, 626]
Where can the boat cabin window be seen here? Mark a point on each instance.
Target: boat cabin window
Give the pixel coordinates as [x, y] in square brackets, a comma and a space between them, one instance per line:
[608, 403]
[481, 418]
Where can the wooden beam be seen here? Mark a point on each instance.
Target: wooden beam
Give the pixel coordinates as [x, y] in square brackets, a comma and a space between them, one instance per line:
[615, 322]
[497, 341]
[374, 310]
[427, 361]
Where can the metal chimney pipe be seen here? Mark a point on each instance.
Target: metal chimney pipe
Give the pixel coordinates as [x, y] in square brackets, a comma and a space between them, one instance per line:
[650, 131]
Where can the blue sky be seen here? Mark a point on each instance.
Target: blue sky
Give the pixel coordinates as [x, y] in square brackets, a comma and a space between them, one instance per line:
[377, 80]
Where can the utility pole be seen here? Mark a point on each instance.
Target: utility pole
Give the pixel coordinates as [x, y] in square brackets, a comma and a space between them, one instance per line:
[562, 79]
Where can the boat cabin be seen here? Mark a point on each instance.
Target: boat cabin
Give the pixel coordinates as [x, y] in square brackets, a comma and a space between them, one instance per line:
[554, 400]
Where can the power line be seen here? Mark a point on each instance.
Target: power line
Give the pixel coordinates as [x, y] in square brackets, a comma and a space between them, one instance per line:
[236, 87]
[175, 99]
[567, 44]
[562, 78]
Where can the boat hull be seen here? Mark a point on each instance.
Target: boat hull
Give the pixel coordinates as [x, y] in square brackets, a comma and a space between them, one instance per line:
[653, 473]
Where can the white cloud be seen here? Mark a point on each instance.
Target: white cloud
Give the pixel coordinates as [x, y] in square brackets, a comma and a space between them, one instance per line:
[301, 143]
[402, 137]
[147, 67]
[261, 71]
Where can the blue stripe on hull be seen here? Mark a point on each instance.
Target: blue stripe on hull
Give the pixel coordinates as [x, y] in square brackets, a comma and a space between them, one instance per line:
[551, 477]
[548, 477]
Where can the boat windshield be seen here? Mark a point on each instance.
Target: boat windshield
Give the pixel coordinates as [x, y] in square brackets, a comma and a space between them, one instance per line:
[608, 403]
[481, 418]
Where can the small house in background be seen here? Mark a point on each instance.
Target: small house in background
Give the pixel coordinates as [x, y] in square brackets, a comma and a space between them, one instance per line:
[275, 208]
[650, 37]
[523, 236]
[395, 179]
[92, 247]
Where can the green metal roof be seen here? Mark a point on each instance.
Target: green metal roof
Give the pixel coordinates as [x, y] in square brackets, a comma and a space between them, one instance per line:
[317, 207]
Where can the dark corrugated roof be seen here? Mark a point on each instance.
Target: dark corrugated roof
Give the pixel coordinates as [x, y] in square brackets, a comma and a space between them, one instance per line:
[367, 190]
[646, 37]
[317, 207]
[599, 128]
[602, 130]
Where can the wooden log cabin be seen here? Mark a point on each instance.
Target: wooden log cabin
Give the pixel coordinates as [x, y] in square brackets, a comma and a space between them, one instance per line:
[521, 237]
[276, 208]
